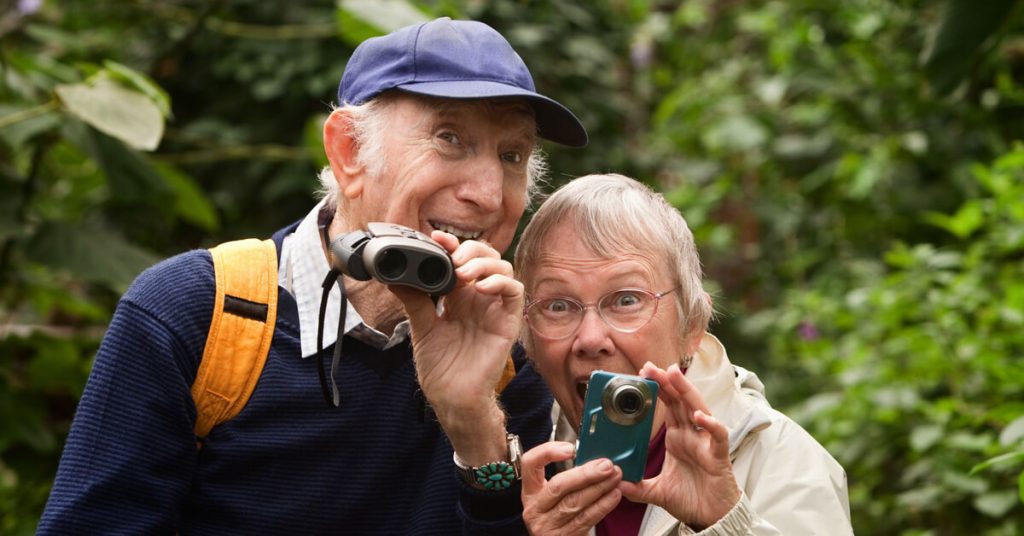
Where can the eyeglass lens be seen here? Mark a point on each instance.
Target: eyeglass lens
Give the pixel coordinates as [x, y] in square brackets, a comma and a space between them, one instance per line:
[624, 310]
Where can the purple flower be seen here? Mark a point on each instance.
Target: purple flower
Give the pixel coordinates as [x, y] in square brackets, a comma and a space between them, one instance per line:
[807, 331]
[28, 7]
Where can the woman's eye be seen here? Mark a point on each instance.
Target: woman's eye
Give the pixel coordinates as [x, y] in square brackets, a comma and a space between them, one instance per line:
[558, 306]
[626, 299]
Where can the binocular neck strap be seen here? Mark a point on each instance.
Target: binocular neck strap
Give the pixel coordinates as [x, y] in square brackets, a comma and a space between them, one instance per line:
[331, 396]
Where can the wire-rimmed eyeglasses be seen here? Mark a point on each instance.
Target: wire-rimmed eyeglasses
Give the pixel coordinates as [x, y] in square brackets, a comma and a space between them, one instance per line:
[625, 310]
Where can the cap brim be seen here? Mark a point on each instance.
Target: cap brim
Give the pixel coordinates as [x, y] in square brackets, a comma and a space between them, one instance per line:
[554, 121]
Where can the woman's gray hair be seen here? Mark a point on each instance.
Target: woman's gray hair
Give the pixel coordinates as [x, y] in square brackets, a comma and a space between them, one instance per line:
[613, 214]
[369, 124]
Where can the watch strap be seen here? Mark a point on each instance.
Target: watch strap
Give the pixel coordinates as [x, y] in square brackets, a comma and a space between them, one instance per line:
[497, 475]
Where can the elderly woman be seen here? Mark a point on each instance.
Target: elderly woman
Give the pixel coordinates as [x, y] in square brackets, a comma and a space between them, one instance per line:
[721, 460]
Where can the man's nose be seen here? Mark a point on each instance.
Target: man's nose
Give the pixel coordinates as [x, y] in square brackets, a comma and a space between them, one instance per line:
[484, 183]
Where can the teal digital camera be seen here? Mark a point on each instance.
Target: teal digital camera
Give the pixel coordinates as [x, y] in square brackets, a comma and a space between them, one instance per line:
[618, 413]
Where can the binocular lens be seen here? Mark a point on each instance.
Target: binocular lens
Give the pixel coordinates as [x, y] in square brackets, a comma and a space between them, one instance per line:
[391, 264]
[432, 271]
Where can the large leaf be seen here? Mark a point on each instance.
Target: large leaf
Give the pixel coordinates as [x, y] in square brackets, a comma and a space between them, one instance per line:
[141, 82]
[132, 178]
[189, 201]
[116, 110]
[89, 251]
[966, 26]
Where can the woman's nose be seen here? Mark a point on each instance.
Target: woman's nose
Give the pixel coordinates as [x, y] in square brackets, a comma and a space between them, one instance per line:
[592, 337]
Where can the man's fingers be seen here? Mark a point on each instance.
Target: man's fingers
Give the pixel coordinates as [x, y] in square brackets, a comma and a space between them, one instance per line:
[471, 249]
[480, 267]
[418, 305]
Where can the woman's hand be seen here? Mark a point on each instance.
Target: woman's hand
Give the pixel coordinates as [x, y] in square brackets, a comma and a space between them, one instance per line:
[571, 502]
[696, 483]
[460, 354]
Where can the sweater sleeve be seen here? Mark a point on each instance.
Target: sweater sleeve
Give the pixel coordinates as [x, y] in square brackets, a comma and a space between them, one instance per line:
[130, 455]
[527, 402]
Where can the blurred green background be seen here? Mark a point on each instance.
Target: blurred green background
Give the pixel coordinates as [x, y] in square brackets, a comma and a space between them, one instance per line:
[853, 171]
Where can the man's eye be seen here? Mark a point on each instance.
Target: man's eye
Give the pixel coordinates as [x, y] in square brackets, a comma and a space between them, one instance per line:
[450, 137]
[513, 157]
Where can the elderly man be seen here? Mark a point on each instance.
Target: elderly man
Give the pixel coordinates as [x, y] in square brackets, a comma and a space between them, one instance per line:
[436, 130]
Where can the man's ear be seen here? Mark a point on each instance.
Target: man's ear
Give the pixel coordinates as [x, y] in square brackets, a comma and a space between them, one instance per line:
[343, 154]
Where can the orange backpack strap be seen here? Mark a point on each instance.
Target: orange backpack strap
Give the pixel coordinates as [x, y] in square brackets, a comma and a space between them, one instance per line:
[244, 313]
[506, 375]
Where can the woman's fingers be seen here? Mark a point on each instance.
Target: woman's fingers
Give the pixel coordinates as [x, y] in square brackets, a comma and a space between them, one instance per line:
[687, 391]
[534, 460]
[569, 492]
[575, 500]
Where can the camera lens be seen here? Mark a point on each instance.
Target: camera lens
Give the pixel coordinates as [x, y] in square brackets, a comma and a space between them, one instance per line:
[391, 264]
[629, 401]
[626, 401]
[432, 272]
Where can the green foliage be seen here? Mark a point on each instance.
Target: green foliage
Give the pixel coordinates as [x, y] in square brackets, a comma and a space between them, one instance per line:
[849, 167]
[924, 381]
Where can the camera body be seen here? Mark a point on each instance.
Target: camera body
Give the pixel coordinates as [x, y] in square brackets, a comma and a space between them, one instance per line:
[618, 413]
[395, 255]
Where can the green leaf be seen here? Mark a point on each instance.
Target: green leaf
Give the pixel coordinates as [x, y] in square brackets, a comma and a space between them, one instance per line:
[20, 123]
[131, 177]
[995, 503]
[924, 437]
[91, 252]
[189, 200]
[1008, 459]
[116, 110]
[965, 222]
[1013, 433]
[313, 139]
[141, 82]
[966, 26]
[735, 133]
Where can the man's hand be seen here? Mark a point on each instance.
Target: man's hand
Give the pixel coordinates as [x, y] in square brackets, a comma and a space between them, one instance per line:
[460, 354]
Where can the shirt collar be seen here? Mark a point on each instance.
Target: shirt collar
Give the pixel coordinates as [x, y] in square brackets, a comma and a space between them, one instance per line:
[303, 269]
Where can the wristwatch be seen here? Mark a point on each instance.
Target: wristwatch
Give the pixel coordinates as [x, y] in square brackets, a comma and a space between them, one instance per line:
[497, 475]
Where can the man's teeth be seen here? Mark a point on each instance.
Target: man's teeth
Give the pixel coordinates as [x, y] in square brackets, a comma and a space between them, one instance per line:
[461, 234]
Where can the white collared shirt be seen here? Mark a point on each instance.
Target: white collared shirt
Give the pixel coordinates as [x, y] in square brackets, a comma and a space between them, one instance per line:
[303, 268]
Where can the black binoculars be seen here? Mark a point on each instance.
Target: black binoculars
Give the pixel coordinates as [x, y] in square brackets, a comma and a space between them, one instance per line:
[395, 255]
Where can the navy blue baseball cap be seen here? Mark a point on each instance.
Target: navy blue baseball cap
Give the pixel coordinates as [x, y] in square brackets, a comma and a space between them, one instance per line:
[453, 59]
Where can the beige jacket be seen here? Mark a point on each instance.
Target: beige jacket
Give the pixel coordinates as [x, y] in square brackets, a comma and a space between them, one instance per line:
[791, 484]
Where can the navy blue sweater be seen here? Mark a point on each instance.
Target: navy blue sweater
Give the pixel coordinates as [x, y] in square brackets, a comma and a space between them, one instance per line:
[287, 464]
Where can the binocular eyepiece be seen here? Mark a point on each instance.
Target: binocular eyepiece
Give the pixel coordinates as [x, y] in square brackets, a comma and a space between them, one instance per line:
[395, 255]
